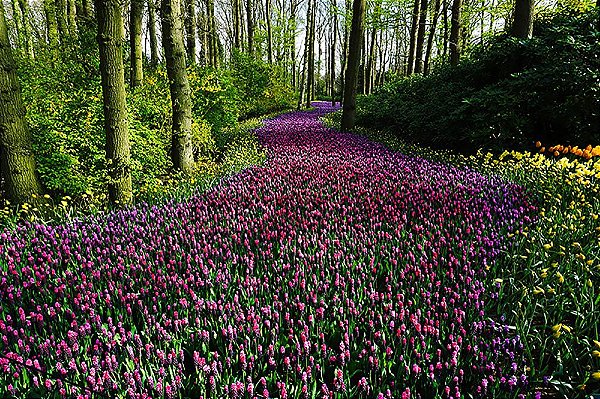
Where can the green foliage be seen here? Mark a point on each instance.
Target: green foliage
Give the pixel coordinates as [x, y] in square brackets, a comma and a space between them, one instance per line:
[261, 87]
[505, 95]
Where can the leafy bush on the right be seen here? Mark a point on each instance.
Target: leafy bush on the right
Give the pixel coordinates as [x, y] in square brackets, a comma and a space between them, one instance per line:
[505, 95]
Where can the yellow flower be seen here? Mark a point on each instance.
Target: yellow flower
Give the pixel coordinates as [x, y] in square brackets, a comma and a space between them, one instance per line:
[557, 327]
[596, 375]
[597, 343]
[538, 290]
[596, 353]
[560, 277]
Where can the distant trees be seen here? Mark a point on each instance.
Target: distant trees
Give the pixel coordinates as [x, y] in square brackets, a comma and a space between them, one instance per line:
[17, 164]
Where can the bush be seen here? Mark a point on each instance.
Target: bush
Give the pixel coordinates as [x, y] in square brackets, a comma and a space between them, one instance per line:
[507, 94]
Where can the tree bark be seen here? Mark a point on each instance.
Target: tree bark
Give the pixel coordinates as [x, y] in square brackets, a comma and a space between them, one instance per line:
[72, 17]
[306, 63]
[332, 50]
[236, 24]
[152, 32]
[522, 26]
[136, 75]
[455, 32]
[345, 51]
[370, 61]
[61, 18]
[110, 39]
[421, 37]
[356, 34]
[190, 30]
[310, 87]
[269, 31]
[17, 20]
[24, 6]
[51, 23]
[17, 162]
[410, 66]
[250, 23]
[436, 14]
[172, 38]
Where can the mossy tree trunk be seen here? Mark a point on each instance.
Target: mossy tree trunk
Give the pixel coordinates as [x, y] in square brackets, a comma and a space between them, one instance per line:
[72, 18]
[152, 32]
[24, 6]
[51, 23]
[17, 163]
[190, 30]
[354, 47]
[136, 75]
[110, 40]
[172, 38]
[61, 18]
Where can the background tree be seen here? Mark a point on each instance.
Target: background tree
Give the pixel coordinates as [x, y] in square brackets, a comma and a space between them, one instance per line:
[110, 38]
[355, 44]
[179, 87]
[522, 24]
[455, 32]
[135, 43]
[17, 163]
[152, 32]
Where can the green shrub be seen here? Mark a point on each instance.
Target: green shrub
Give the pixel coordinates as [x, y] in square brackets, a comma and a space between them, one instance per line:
[506, 94]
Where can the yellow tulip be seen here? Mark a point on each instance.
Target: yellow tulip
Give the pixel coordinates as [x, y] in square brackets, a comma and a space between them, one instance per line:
[596, 375]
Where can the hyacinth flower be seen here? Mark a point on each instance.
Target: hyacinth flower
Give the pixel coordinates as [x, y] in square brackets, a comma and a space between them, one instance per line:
[339, 268]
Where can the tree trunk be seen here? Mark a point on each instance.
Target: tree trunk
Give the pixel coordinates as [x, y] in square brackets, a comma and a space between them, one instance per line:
[455, 32]
[72, 17]
[190, 30]
[236, 24]
[24, 7]
[172, 38]
[110, 39]
[421, 37]
[203, 36]
[51, 23]
[345, 51]
[306, 58]
[61, 18]
[370, 62]
[436, 14]
[136, 75]
[410, 66]
[86, 8]
[250, 22]
[269, 31]
[17, 20]
[356, 34]
[152, 32]
[332, 50]
[17, 163]
[522, 26]
[311, 57]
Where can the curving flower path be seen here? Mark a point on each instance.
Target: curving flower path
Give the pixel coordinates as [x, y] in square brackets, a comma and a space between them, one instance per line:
[338, 269]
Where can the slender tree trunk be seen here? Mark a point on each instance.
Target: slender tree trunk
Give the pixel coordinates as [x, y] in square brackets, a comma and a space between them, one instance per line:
[213, 47]
[310, 51]
[190, 30]
[332, 50]
[413, 38]
[370, 62]
[110, 39]
[86, 8]
[421, 37]
[436, 14]
[292, 41]
[345, 51]
[446, 40]
[269, 31]
[522, 26]
[250, 22]
[306, 58]
[236, 24]
[203, 35]
[136, 75]
[51, 23]
[17, 163]
[152, 32]
[172, 38]
[24, 6]
[17, 20]
[356, 34]
[455, 32]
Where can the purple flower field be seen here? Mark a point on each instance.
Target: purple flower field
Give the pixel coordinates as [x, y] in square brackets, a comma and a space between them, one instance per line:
[338, 269]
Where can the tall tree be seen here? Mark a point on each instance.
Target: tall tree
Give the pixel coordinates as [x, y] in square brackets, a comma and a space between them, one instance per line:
[306, 57]
[17, 163]
[269, 31]
[436, 14]
[110, 39]
[334, 29]
[310, 76]
[522, 24]
[24, 6]
[152, 32]
[61, 18]
[72, 17]
[354, 46]
[455, 32]
[190, 30]
[421, 37]
[179, 86]
[17, 20]
[51, 23]
[136, 75]
[250, 23]
[414, 26]
[235, 7]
